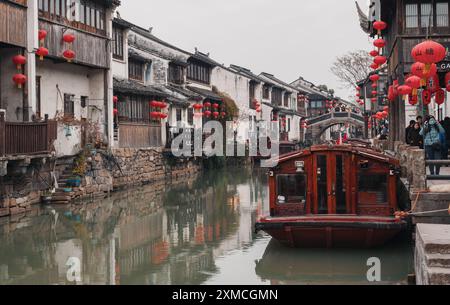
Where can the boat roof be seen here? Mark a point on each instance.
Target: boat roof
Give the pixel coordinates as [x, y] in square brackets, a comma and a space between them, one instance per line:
[349, 148]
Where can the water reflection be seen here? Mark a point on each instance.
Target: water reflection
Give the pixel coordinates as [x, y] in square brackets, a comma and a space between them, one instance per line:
[198, 231]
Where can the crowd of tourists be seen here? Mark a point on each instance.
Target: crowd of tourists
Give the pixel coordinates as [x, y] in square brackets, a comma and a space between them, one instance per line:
[431, 135]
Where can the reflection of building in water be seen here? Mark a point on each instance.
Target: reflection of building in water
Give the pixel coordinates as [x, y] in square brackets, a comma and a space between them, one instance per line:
[138, 237]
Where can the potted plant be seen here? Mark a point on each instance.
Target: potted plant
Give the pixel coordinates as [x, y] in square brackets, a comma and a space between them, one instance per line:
[79, 171]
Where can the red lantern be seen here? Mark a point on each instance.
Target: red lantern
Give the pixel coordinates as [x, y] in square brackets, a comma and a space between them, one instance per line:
[162, 105]
[42, 34]
[216, 114]
[207, 113]
[154, 104]
[412, 100]
[374, 99]
[19, 60]
[115, 111]
[223, 114]
[374, 53]
[69, 38]
[162, 115]
[154, 115]
[390, 95]
[374, 66]
[20, 80]
[426, 97]
[431, 72]
[374, 93]
[69, 55]
[216, 106]
[379, 26]
[374, 78]
[374, 86]
[386, 108]
[414, 83]
[429, 52]
[42, 52]
[379, 43]
[385, 114]
[197, 107]
[358, 94]
[380, 60]
[440, 96]
[207, 104]
[404, 90]
[447, 81]
[115, 99]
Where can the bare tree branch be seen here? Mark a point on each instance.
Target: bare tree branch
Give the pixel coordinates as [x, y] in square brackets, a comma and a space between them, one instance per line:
[352, 67]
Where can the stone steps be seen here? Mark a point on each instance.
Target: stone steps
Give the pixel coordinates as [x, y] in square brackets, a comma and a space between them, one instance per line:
[438, 260]
[439, 276]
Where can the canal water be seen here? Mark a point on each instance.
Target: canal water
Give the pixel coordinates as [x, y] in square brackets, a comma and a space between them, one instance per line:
[197, 231]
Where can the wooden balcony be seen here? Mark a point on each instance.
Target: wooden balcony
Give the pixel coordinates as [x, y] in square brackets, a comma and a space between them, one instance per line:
[26, 138]
[13, 22]
[135, 135]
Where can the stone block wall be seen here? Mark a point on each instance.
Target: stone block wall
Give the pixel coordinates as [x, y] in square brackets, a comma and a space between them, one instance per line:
[412, 162]
[130, 168]
[432, 254]
[144, 166]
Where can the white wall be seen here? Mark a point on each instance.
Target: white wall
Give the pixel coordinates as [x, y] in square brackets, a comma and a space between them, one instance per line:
[11, 97]
[237, 87]
[66, 78]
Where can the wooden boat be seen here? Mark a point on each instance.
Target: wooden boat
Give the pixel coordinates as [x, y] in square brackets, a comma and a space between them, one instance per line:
[333, 196]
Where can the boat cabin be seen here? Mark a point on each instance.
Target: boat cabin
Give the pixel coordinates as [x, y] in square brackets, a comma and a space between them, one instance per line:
[334, 180]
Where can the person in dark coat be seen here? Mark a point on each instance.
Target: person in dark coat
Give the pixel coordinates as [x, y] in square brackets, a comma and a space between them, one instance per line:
[414, 137]
[409, 128]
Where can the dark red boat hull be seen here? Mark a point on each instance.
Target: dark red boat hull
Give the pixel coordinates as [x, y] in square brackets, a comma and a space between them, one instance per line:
[332, 232]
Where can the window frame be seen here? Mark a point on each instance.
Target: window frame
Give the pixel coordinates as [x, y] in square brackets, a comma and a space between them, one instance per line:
[69, 105]
[118, 45]
[136, 70]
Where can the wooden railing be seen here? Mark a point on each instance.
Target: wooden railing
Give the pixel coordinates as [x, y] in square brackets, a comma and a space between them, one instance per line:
[134, 135]
[26, 138]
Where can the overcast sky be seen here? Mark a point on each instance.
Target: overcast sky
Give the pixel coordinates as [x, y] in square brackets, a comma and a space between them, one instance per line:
[287, 38]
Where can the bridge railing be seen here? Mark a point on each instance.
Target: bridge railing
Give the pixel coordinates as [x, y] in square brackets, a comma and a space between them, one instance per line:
[336, 115]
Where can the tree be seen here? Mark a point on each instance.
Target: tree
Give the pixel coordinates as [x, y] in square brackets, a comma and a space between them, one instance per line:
[352, 67]
[325, 88]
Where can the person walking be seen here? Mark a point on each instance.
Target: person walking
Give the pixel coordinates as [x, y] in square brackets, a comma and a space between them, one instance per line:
[414, 137]
[430, 132]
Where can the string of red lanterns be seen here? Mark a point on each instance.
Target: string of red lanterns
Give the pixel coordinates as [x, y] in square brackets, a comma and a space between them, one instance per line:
[69, 54]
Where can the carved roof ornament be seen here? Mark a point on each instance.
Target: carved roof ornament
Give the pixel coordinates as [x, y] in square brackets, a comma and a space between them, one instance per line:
[363, 19]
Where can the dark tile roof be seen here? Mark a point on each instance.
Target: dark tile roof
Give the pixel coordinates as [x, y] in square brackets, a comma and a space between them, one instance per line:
[147, 34]
[132, 87]
[188, 93]
[247, 73]
[205, 59]
[135, 55]
[278, 81]
[206, 93]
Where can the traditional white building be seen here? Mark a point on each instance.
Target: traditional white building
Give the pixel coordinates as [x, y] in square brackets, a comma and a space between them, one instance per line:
[74, 92]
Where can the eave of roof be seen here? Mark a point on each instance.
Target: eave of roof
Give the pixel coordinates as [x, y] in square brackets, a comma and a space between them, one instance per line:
[205, 93]
[132, 87]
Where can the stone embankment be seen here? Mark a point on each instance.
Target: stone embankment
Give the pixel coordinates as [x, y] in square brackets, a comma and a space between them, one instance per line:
[104, 172]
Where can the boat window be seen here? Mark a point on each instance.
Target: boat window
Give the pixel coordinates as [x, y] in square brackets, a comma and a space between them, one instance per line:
[372, 188]
[291, 189]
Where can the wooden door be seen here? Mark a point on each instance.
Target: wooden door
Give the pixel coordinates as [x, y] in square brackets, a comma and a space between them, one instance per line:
[332, 179]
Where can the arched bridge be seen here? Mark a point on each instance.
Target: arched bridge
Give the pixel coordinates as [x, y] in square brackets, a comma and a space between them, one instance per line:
[320, 124]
